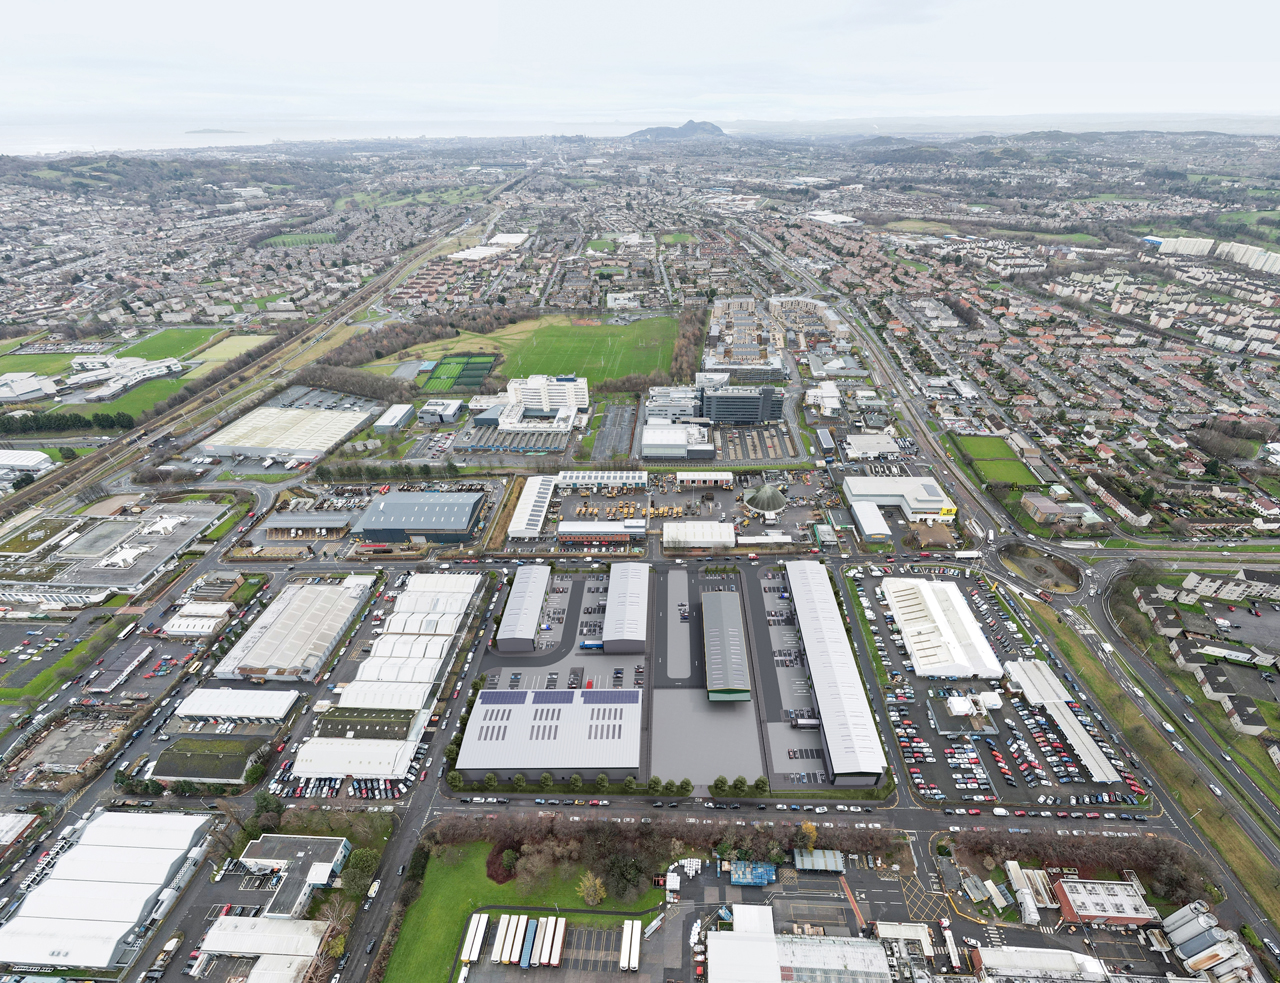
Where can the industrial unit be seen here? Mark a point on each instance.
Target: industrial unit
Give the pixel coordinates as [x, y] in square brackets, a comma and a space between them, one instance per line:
[850, 740]
[519, 629]
[871, 525]
[697, 534]
[753, 953]
[1041, 688]
[394, 418]
[289, 434]
[420, 517]
[920, 499]
[597, 481]
[531, 508]
[601, 533]
[227, 704]
[676, 441]
[436, 411]
[724, 640]
[626, 618]
[939, 630]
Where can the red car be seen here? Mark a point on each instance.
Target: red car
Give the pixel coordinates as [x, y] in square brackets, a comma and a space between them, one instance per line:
[975, 812]
[281, 748]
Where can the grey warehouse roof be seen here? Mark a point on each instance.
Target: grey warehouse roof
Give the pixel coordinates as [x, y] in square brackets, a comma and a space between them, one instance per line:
[524, 604]
[420, 512]
[626, 614]
[725, 643]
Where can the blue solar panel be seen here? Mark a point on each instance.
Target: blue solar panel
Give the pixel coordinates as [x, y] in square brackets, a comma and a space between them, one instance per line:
[545, 696]
[596, 696]
[503, 697]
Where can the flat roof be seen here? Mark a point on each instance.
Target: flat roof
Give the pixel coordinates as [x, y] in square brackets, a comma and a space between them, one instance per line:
[307, 520]
[699, 476]
[412, 647]
[267, 704]
[725, 644]
[531, 508]
[870, 519]
[394, 414]
[697, 534]
[387, 695]
[848, 728]
[422, 623]
[922, 495]
[521, 615]
[337, 757]
[626, 614]
[25, 459]
[232, 936]
[1041, 687]
[271, 428]
[420, 512]
[399, 670]
[99, 890]
[601, 527]
[602, 478]
[13, 825]
[939, 630]
[541, 730]
[832, 860]
[298, 629]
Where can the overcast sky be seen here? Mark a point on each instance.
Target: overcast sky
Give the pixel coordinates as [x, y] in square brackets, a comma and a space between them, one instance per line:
[118, 71]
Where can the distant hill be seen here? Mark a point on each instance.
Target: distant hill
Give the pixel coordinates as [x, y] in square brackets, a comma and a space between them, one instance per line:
[689, 131]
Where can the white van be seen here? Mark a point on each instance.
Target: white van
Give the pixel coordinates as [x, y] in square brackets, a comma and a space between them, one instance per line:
[999, 811]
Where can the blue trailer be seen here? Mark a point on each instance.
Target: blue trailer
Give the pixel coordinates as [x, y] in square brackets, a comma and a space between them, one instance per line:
[591, 645]
[526, 954]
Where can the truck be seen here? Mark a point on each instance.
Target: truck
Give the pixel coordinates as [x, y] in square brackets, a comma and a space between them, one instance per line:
[1045, 596]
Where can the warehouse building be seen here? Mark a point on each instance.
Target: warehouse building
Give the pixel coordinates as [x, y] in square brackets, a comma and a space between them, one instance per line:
[227, 704]
[523, 612]
[420, 517]
[1103, 903]
[531, 508]
[695, 534]
[939, 630]
[871, 446]
[394, 418]
[436, 411]
[338, 757]
[626, 617]
[871, 525]
[363, 694]
[32, 462]
[274, 431]
[294, 636]
[284, 950]
[306, 525]
[601, 533]
[753, 953]
[561, 731]
[724, 640]
[199, 619]
[123, 870]
[920, 499]
[598, 481]
[676, 441]
[1041, 688]
[742, 405]
[855, 757]
[686, 480]
[422, 623]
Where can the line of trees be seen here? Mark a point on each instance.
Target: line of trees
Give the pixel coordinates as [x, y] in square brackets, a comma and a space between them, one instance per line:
[356, 382]
[65, 422]
[687, 357]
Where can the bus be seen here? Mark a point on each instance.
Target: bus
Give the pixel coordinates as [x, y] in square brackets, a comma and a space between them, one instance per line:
[129, 630]
[558, 946]
[539, 938]
[526, 949]
[500, 939]
[624, 957]
[548, 944]
[634, 963]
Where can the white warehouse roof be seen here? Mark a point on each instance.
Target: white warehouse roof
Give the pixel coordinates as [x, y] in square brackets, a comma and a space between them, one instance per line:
[366, 693]
[939, 630]
[241, 703]
[431, 602]
[233, 936]
[399, 670]
[626, 616]
[422, 623]
[870, 521]
[1042, 688]
[698, 535]
[25, 460]
[848, 729]
[413, 647]
[524, 607]
[531, 508]
[444, 583]
[336, 757]
[270, 428]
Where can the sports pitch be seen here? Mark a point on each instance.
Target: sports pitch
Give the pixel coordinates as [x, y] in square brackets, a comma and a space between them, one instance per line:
[301, 239]
[986, 448]
[1014, 472]
[172, 343]
[224, 351]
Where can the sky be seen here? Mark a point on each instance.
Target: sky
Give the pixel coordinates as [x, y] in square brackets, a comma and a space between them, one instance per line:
[144, 71]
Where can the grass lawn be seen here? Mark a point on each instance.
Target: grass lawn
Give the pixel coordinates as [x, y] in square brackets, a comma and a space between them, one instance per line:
[230, 522]
[986, 448]
[170, 343]
[269, 479]
[51, 363]
[143, 397]
[675, 237]
[916, 225]
[1012, 471]
[1076, 238]
[436, 922]
[224, 351]
[602, 245]
[301, 239]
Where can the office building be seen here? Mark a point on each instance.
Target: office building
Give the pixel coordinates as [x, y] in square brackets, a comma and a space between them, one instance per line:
[743, 405]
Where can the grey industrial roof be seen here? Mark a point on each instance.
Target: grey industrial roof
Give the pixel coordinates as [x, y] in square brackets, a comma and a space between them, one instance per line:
[849, 732]
[725, 642]
[546, 730]
[420, 512]
[524, 603]
[531, 508]
[626, 613]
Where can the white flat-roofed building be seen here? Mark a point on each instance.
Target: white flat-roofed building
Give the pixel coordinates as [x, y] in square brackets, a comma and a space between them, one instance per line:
[704, 479]
[101, 889]
[871, 525]
[294, 636]
[626, 616]
[697, 534]
[867, 446]
[1040, 687]
[273, 431]
[199, 619]
[850, 739]
[561, 731]
[399, 670]
[531, 508]
[225, 703]
[939, 630]
[550, 392]
[412, 647]
[523, 612]
[338, 757]
[598, 480]
[1025, 963]
[373, 695]
[264, 937]
[422, 623]
[32, 461]
[435, 411]
[444, 583]
[753, 953]
[394, 418]
[431, 602]
[920, 499]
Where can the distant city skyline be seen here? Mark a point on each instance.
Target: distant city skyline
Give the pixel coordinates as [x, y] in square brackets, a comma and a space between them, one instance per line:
[129, 76]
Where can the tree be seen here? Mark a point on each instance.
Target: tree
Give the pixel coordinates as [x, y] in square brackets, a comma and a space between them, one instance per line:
[266, 802]
[454, 780]
[575, 783]
[1213, 468]
[741, 785]
[509, 859]
[185, 787]
[762, 785]
[655, 785]
[602, 782]
[686, 786]
[720, 786]
[629, 785]
[255, 774]
[518, 782]
[68, 453]
[1147, 497]
[806, 836]
[336, 946]
[358, 873]
[491, 781]
[124, 421]
[546, 781]
[591, 889]
[669, 787]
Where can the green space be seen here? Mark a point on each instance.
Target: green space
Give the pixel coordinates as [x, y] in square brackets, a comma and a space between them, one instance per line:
[914, 264]
[116, 601]
[916, 225]
[245, 592]
[1014, 472]
[230, 522]
[225, 350]
[390, 199]
[1248, 218]
[672, 238]
[602, 245]
[171, 343]
[269, 479]
[301, 239]
[987, 448]
[49, 363]
[143, 397]
[459, 372]
[455, 885]
[8, 346]
[1074, 238]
